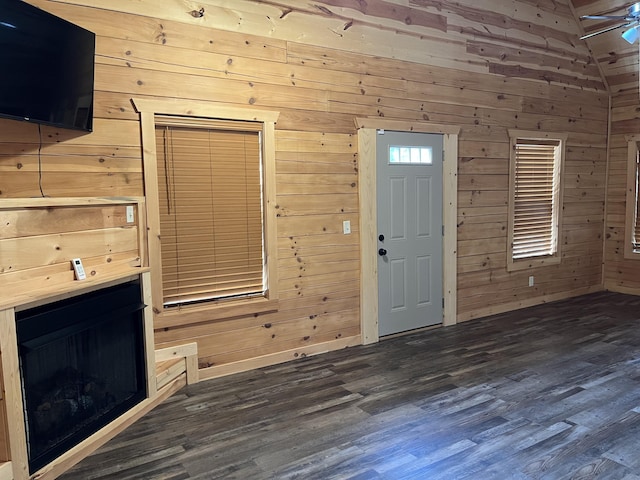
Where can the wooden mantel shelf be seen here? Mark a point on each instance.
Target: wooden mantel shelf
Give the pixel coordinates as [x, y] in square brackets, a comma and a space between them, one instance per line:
[57, 292]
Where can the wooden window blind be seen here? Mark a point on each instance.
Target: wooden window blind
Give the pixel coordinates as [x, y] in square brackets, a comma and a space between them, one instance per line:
[536, 186]
[636, 223]
[211, 219]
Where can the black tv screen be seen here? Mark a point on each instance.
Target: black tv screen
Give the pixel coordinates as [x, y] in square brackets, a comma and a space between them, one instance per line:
[47, 68]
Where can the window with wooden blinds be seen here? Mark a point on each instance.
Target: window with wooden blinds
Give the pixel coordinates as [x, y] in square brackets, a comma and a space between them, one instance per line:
[636, 224]
[211, 219]
[534, 204]
[632, 217]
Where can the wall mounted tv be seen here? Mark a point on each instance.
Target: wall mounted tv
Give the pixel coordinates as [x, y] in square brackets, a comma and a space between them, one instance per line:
[47, 68]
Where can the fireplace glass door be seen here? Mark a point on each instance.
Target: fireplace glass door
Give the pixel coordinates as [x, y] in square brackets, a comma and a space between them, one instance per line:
[82, 365]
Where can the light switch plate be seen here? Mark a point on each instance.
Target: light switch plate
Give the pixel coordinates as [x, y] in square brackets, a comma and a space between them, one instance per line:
[346, 227]
[130, 218]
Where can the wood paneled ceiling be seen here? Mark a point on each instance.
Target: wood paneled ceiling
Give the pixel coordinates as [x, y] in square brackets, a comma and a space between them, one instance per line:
[618, 59]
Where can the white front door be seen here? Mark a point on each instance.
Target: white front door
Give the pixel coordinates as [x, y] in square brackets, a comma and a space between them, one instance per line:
[409, 205]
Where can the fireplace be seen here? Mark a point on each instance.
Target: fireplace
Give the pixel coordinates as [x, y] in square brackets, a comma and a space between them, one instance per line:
[82, 365]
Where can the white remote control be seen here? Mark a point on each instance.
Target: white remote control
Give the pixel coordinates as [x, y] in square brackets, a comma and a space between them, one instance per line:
[78, 268]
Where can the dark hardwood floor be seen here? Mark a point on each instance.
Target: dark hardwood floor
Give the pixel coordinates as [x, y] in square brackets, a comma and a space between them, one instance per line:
[549, 392]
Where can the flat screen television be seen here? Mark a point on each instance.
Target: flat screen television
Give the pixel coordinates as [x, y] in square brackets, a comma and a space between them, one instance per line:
[47, 68]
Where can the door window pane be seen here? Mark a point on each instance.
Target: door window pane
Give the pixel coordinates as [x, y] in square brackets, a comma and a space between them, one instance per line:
[410, 155]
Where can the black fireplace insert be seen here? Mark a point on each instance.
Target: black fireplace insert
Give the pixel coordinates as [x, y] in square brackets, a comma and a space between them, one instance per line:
[82, 365]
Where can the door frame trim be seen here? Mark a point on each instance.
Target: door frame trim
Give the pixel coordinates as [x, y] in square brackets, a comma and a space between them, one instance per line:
[367, 195]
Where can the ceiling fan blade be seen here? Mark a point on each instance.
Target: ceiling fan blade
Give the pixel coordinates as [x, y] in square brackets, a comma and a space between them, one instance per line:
[631, 35]
[615, 27]
[603, 17]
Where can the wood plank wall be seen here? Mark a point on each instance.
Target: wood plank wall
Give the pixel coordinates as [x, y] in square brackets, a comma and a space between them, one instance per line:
[619, 63]
[39, 237]
[621, 274]
[322, 65]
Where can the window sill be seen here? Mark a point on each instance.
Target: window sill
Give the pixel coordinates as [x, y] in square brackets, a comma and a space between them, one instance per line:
[631, 254]
[213, 311]
[532, 262]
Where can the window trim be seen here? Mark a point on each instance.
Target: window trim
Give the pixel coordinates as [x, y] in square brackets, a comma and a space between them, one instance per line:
[148, 109]
[631, 197]
[556, 257]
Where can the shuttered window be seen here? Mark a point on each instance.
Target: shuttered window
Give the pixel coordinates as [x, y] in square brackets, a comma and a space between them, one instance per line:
[535, 187]
[210, 200]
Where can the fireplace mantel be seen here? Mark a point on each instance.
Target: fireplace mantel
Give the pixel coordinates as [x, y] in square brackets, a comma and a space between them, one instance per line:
[38, 238]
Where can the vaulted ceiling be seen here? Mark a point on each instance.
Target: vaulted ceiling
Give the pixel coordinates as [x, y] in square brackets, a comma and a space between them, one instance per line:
[618, 59]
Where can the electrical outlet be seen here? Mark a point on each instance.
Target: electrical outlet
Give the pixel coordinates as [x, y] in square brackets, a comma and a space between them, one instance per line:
[531, 280]
[346, 227]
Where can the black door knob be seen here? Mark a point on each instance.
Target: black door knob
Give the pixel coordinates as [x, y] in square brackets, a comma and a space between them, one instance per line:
[382, 252]
[381, 237]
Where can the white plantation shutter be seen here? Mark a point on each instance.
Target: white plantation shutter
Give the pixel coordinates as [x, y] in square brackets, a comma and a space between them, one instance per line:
[210, 194]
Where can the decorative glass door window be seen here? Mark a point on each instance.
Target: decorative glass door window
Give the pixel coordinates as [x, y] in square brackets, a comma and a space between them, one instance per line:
[410, 155]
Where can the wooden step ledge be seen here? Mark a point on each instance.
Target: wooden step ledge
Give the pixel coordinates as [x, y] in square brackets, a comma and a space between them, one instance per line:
[6, 471]
[172, 362]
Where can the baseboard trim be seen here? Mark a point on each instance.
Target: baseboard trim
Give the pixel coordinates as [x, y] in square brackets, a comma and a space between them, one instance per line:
[612, 287]
[279, 357]
[508, 307]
